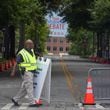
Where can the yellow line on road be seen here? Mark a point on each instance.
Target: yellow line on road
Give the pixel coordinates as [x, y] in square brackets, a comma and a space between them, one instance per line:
[74, 88]
[69, 77]
[68, 72]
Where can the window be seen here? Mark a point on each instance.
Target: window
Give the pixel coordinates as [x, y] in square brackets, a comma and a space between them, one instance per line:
[61, 40]
[49, 40]
[54, 40]
[67, 41]
[48, 48]
[61, 49]
[67, 49]
[54, 48]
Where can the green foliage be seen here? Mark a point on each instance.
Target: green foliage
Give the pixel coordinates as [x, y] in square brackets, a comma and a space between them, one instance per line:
[14, 11]
[42, 34]
[77, 13]
[82, 16]
[101, 14]
[82, 42]
[51, 5]
[88, 14]
[29, 14]
[7, 11]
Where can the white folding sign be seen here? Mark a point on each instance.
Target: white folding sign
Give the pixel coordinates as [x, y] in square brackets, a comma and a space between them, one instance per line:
[42, 79]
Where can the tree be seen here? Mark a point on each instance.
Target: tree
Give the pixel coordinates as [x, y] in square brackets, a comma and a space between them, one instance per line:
[7, 11]
[19, 14]
[81, 42]
[42, 31]
[100, 13]
[101, 20]
[91, 15]
[29, 12]
[77, 14]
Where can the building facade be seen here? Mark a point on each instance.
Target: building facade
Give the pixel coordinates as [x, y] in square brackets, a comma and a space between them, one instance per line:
[57, 42]
[57, 45]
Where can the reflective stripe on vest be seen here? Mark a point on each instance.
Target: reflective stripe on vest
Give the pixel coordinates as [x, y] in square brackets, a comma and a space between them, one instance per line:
[29, 60]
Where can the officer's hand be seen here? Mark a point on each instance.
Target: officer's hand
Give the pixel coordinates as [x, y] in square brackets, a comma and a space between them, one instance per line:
[13, 71]
[12, 74]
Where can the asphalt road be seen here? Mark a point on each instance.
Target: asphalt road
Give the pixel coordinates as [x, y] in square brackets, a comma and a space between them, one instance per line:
[68, 86]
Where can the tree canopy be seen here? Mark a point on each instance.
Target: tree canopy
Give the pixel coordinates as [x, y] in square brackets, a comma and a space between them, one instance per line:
[90, 15]
[29, 17]
[100, 14]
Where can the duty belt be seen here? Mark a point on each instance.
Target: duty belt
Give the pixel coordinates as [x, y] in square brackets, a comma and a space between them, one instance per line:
[33, 71]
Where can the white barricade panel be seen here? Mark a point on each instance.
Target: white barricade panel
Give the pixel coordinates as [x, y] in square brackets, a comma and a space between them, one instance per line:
[46, 88]
[42, 79]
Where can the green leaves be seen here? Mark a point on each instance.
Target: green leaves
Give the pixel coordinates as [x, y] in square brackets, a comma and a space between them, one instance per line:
[101, 14]
[81, 42]
[76, 14]
[29, 14]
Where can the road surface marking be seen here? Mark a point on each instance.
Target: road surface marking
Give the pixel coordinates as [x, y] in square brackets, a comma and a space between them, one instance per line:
[68, 79]
[80, 105]
[24, 106]
[7, 107]
[68, 76]
[99, 106]
[67, 70]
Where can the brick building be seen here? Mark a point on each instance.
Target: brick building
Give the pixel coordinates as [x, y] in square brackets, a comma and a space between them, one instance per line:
[57, 45]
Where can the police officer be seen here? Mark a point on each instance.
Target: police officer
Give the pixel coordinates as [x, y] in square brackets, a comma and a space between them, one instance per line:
[26, 60]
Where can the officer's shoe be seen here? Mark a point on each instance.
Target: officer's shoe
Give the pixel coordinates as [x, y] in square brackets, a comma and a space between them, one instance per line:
[39, 102]
[34, 105]
[15, 103]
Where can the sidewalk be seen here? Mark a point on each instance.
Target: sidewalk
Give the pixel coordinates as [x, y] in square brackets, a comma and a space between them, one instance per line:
[68, 58]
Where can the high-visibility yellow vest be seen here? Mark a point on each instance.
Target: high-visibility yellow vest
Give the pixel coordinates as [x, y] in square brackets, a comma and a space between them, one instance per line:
[29, 61]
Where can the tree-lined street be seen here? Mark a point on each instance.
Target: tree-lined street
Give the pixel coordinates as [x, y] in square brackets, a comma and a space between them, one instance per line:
[74, 34]
[67, 89]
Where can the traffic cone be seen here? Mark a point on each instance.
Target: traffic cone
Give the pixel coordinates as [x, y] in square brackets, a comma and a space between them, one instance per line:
[6, 65]
[9, 64]
[1, 67]
[89, 96]
[13, 61]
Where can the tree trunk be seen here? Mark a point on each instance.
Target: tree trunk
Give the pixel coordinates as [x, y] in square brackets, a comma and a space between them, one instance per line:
[94, 37]
[107, 45]
[12, 41]
[22, 36]
[6, 43]
[99, 44]
[36, 40]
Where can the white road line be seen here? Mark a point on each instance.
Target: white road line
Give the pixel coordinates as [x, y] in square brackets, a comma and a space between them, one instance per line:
[59, 108]
[80, 105]
[99, 106]
[7, 107]
[24, 106]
